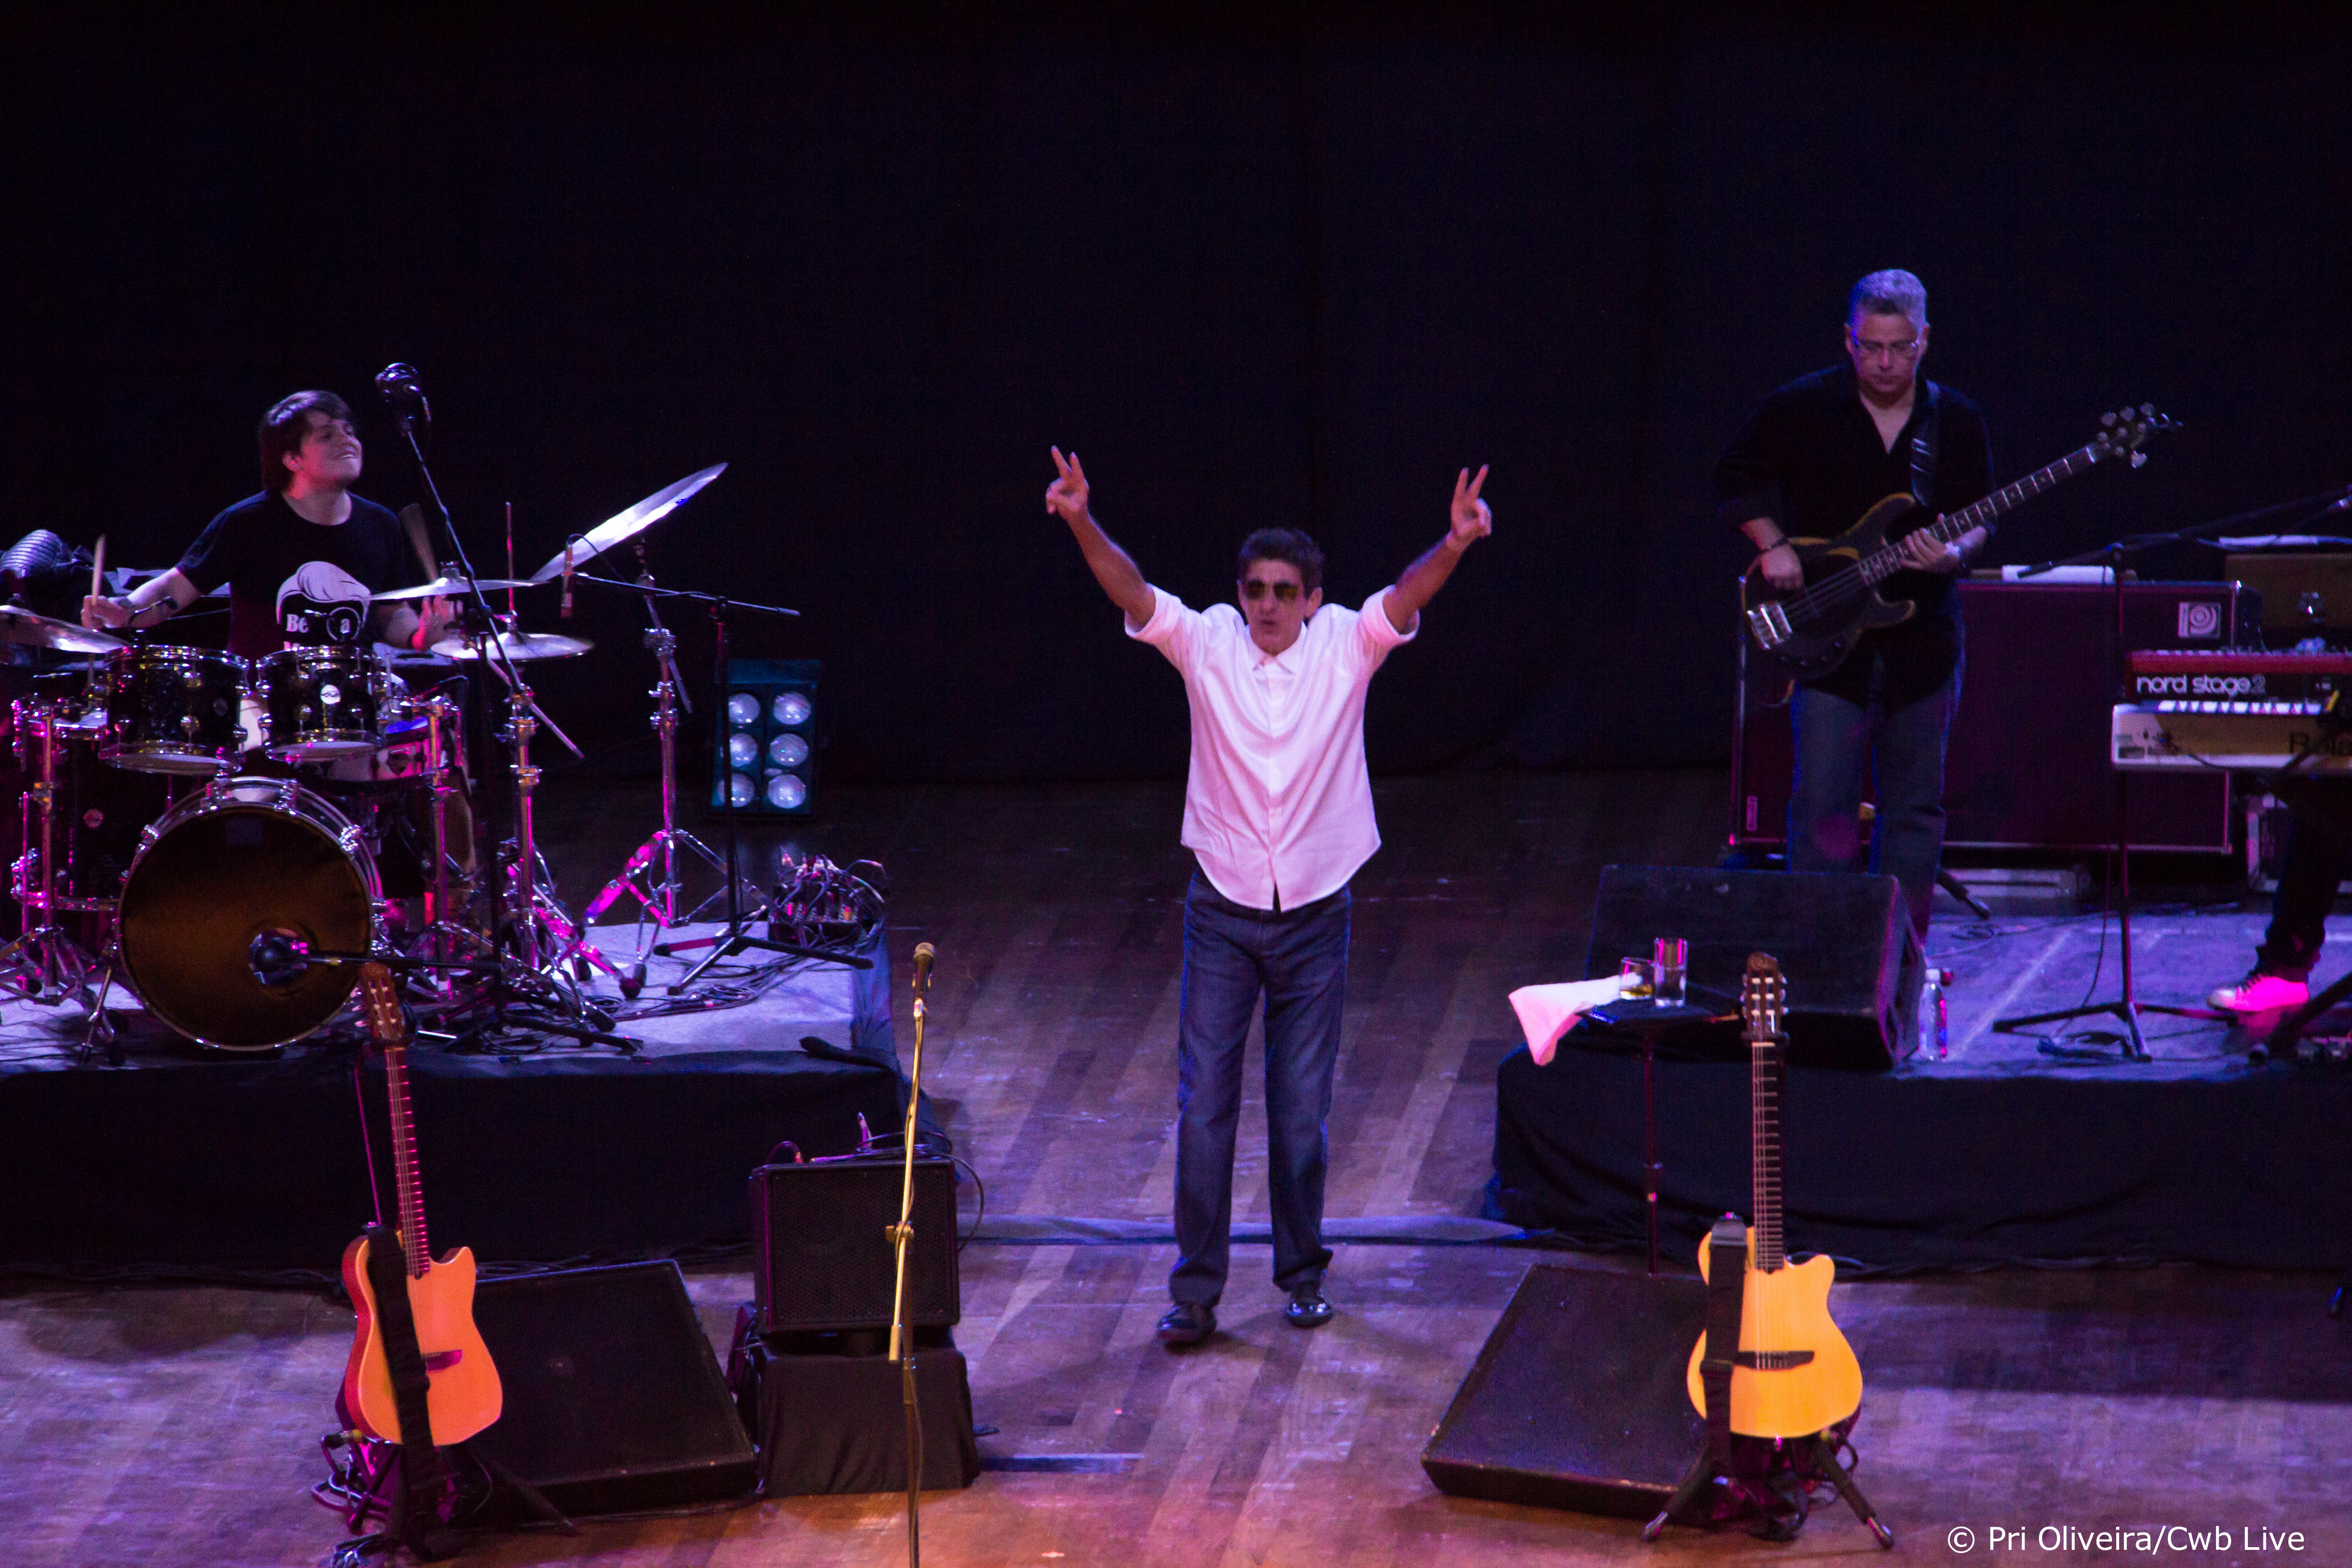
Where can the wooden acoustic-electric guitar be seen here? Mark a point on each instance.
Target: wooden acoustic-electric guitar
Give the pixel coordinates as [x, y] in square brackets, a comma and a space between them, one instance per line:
[464, 1395]
[1795, 1374]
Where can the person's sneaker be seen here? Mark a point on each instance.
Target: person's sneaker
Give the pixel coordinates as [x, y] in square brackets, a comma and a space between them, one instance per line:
[1188, 1323]
[1308, 1308]
[2259, 992]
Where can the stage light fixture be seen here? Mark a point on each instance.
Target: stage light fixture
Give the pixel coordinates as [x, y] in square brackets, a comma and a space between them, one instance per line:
[771, 707]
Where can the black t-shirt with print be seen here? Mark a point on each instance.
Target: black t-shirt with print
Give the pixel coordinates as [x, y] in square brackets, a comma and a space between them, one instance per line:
[293, 581]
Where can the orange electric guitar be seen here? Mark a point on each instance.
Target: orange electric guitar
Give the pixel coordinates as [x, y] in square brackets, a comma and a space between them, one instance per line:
[1795, 1374]
[464, 1396]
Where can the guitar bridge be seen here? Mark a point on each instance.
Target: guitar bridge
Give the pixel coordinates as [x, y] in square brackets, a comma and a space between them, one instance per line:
[1770, 1361]
[1771, 625]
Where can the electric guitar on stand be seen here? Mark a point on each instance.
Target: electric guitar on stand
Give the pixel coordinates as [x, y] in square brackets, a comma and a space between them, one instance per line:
[1809, 630]
[1794, 1374]
[463, 1394]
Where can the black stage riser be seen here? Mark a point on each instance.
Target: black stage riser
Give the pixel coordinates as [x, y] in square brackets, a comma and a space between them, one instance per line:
[831, 1424]
[258, 1165]
[1577, 1399]
[1929, 1172]
[1843, 942]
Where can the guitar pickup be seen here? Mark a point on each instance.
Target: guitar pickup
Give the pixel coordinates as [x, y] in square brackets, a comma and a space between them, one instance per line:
[1771, 625]
[1770, 1361]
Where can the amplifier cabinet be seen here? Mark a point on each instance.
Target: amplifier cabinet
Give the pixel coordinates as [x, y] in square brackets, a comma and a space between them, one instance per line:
[2027, 767]
[823, 1258]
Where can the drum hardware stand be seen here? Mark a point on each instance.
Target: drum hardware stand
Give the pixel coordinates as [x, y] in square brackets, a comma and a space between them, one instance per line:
[45, 962]
[2114, 555]
[398, 383]
[658, 898]
[734, 937]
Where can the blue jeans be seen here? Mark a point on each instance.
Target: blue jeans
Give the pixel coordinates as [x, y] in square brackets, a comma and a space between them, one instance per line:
[1902, 744]
[1297, 960]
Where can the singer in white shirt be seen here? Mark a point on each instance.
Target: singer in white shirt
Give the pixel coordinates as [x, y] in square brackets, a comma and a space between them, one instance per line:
[1278, 814]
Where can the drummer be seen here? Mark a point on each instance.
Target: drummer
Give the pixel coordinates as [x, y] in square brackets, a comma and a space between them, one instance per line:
[302, 558]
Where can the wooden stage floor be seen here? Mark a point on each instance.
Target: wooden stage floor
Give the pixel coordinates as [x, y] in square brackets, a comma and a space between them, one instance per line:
[149, 1425]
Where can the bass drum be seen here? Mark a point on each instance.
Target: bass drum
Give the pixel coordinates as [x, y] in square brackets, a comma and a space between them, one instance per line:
[247, 859]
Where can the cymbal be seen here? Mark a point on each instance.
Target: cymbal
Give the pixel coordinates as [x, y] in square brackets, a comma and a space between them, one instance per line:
[627, 525]
[450, 587]
[29, 630]
[520, 645]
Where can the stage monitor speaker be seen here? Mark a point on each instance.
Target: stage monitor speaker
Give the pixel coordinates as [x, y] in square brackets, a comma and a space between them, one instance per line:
[825, 1261]
[1578, 1400]
[1843, 942]
[614, 1398]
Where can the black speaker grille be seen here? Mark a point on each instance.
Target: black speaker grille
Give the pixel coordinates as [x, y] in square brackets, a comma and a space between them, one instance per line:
[826, 1262]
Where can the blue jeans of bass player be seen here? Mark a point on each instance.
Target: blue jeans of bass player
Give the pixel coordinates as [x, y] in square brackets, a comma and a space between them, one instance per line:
[1902, 745]
[1297, 961]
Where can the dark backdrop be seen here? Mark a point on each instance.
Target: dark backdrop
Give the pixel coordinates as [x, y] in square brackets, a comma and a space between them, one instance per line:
[1284, 264]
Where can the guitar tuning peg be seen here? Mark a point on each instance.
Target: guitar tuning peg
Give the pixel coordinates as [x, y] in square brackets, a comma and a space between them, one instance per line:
[2138, 458]
[2107, 421]
[2147, 408]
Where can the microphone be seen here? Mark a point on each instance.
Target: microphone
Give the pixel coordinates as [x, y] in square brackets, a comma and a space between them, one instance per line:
[278, 958]
[401, 388]
[924, 953]
[565, 612]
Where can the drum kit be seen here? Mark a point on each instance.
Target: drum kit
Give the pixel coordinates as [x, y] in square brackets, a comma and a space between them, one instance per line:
[273, 801]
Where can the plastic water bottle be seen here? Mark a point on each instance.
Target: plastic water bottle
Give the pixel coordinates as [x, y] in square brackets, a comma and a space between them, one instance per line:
[1935, 1016]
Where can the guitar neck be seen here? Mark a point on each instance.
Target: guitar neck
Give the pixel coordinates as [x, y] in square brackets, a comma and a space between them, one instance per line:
[419, 1255]
[1884, 563]
[1765, 1078]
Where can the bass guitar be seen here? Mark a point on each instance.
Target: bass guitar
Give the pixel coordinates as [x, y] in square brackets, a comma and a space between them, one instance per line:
[1809, 630]
[1795, 1374]
[464, 1395]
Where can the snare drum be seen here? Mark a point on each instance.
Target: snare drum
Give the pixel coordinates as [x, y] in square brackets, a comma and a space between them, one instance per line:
[241, 860]
[173, 709]
[320, 703]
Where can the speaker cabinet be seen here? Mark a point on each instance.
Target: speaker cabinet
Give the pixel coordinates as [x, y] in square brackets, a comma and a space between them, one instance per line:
[1578, 1400]
[614, 1398]
[825, 1260]
[1843, 942]
[2027, 765]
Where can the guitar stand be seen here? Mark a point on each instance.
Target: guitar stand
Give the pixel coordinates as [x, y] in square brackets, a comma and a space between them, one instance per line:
[386, 1494]
[1802, 1459]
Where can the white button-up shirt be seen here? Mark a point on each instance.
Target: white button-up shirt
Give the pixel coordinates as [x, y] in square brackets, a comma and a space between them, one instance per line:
[1277, 803]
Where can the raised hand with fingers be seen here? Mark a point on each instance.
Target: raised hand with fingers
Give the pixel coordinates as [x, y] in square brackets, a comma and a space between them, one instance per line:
[1472, 519]
[1065, 498]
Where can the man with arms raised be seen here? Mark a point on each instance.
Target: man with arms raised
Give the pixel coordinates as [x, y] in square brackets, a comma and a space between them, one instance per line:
[1279, 813]
[1820, 452]
[301, 557]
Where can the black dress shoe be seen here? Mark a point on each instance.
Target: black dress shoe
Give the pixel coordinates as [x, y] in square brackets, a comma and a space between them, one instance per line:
[1188, 1323]
[1308, 1308]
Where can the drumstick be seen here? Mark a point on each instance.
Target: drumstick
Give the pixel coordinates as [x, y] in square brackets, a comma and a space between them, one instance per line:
[97, 570]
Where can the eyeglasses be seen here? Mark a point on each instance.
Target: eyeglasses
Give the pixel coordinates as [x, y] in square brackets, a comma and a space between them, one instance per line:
[1256, 588]
[1909, 348]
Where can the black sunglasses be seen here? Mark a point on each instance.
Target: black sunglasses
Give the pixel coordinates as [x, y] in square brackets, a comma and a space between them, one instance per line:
[1256, 589]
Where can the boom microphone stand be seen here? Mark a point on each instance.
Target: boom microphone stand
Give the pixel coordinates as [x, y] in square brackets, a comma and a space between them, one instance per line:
[902, 1343]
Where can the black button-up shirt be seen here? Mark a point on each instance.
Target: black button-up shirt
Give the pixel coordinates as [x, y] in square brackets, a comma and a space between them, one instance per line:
[1810, 459]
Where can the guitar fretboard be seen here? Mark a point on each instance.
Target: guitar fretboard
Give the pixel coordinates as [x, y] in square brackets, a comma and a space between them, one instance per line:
[1881, 564]
[1764, 1127]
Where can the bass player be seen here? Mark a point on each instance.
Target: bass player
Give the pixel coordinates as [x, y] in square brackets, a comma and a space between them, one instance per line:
[1816, 456]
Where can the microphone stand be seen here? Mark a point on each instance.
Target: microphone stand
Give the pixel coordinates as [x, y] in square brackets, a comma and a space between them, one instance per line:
[2126, 1007]
[902, 1343]
[409, 408]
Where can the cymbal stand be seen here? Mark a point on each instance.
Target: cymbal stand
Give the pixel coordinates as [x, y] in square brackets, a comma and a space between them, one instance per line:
[517, 906]
[45, 964]
[657, 894]
[446, 937]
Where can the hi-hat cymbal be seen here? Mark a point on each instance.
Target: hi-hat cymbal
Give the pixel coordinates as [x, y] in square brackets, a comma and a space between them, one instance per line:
[450, 587]
[627, 525]
[29, 630]
[518, 646]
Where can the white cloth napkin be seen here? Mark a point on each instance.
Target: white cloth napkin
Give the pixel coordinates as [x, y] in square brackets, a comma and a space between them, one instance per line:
[1548, 1012]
